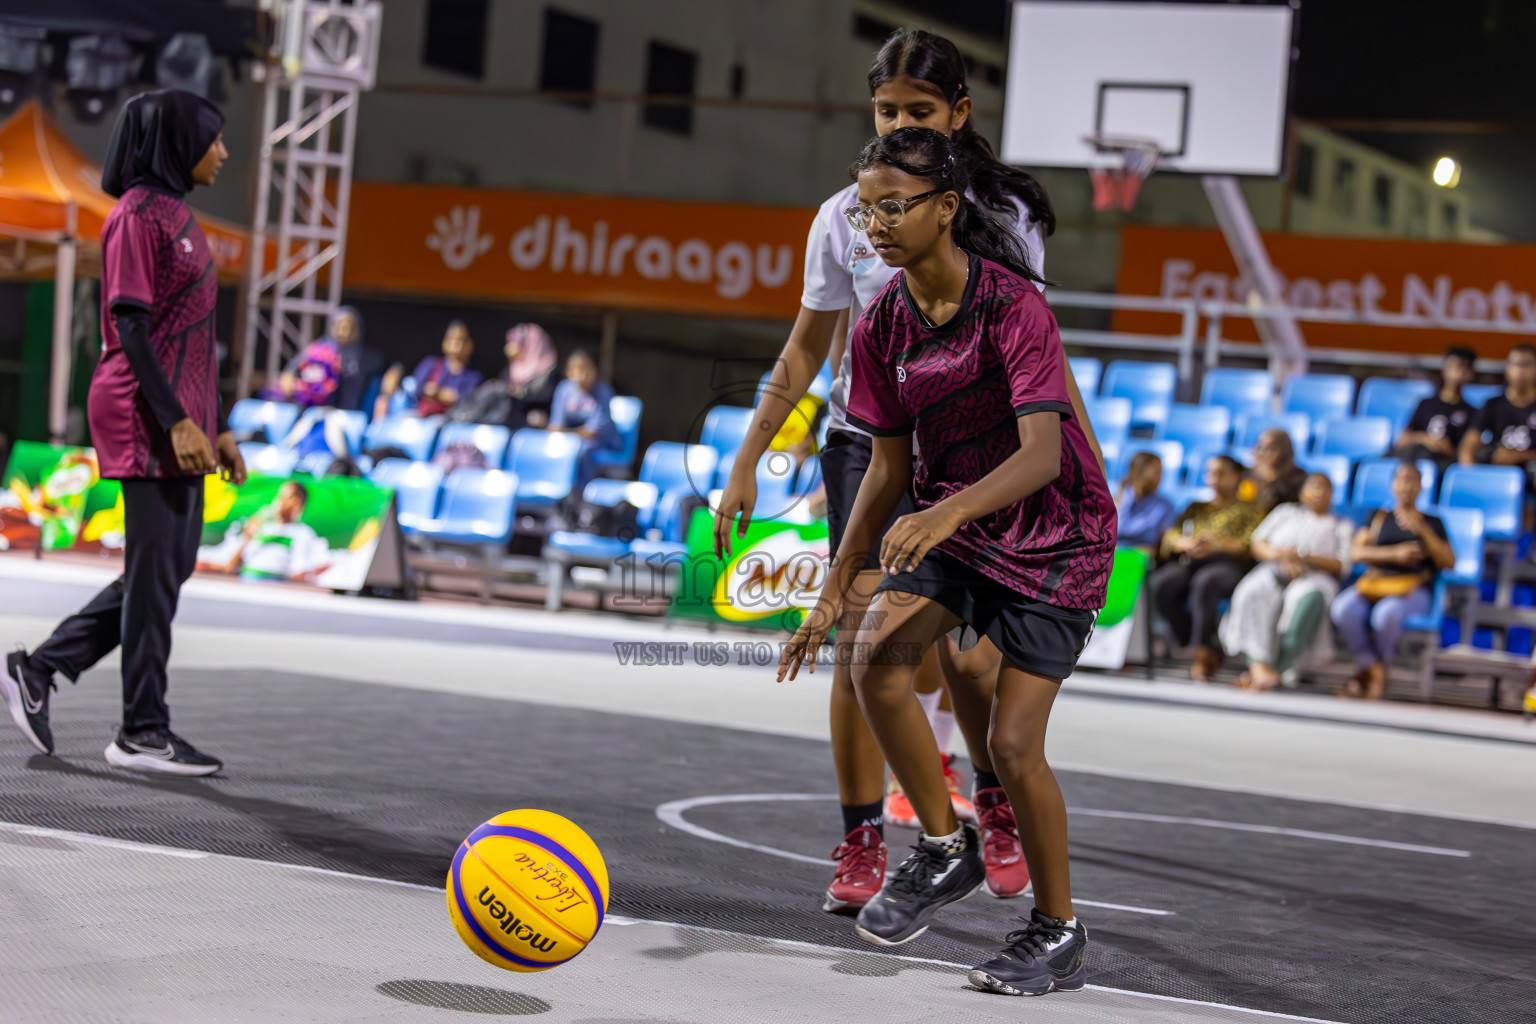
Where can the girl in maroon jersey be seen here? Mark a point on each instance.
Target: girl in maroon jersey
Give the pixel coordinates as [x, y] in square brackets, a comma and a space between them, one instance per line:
[1014, 535]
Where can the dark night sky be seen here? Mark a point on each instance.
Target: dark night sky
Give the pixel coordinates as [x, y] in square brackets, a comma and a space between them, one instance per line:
[1470, 61]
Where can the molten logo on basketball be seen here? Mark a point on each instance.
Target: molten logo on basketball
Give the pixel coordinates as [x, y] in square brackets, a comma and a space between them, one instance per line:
[511, 924]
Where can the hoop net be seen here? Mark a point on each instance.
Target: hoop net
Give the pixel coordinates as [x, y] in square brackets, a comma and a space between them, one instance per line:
[1116, 187]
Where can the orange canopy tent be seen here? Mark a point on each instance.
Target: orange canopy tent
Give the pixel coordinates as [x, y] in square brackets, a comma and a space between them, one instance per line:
[51, 209]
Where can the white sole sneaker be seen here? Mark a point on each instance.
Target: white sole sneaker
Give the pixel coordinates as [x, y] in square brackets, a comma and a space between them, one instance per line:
[117, 757]
[10, 687]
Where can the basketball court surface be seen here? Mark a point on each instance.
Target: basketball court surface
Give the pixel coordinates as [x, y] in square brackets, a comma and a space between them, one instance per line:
[1235, 857]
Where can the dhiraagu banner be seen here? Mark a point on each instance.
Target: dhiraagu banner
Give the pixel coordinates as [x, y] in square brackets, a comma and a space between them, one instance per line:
[324, 532]
[770, 581]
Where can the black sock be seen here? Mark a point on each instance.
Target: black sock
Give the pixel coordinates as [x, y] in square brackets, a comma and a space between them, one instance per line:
[860, 815]
[985, 780]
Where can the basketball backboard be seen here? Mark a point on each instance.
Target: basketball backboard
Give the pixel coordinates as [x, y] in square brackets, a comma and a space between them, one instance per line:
[1208, 83]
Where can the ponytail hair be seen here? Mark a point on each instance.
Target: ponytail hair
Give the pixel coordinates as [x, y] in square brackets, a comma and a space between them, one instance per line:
[936, 66]
[931, 157]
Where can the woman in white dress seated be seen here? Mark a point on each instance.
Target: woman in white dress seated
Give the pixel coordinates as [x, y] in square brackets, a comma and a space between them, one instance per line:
[1278, 618]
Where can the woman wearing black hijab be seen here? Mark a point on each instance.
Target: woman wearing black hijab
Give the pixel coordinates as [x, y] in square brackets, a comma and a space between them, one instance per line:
[153, 406]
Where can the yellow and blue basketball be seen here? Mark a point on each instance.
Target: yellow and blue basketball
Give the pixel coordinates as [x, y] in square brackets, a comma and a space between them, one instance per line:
[527, 890]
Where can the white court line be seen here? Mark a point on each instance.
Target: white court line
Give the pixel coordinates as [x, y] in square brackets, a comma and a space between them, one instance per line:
[171, 851]
[1271, 830]
[672, 814]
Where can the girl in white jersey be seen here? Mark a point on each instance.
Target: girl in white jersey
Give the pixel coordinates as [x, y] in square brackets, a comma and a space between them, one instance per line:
[917, 79]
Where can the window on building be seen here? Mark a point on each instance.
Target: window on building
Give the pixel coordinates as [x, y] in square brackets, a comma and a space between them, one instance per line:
[1450, 220]
[455, 36]
[1343, 196]
[569, 60]
[1381, 201]
[1306, 170]
[1417, 224]
[870, 29]
[670, 72]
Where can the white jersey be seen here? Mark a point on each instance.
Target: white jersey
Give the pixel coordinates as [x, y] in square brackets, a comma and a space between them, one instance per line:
[843, 271]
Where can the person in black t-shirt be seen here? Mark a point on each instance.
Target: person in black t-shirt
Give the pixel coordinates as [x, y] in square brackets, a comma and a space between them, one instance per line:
[1440, 421]
[1402, 549]
[1508, 421]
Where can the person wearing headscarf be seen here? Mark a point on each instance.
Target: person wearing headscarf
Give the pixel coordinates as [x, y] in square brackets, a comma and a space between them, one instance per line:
[153, 407]
[520, 395]
[1274, 479]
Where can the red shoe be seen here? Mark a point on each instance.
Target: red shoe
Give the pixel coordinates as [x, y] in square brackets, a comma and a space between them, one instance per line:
[898, 809]
[964, 810]
[1001, 851]
[860, 871]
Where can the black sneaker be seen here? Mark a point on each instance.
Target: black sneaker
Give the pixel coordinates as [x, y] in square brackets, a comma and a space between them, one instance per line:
[159, 751]
[26, 691]
[927, 880]
[1043, 956]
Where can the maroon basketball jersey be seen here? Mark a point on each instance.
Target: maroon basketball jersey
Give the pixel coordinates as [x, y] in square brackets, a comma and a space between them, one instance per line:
[961, 387]
[154, 256]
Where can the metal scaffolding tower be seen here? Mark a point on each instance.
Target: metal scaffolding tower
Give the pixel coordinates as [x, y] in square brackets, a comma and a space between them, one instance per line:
[329, 53]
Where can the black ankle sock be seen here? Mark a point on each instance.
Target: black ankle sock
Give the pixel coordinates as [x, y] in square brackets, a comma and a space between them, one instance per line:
[859, 815]
[985, 780]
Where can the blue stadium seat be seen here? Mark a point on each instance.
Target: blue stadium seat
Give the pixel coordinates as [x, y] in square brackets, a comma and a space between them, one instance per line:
[543, 463]
[723, 468]
[672, 466]
[268, 459]
[411, 434]
[1358, 437]
[1243, 392]
[625, 411]
[1334, 467]
[1477, 395]
[1087, 372]
[725, 426]
[1193, 474]
[1184, 495]
[492, 440]
[1373, 483]
[1297, 424]
[1394, 398]
[1497, 491]
[416, 486]
[1464, 528]
[1149, 386]
[1170, 452]
[1321, 396]
[1207, 427]
[566, 548]
[1111, 422]
[476, 509]
[250, 415]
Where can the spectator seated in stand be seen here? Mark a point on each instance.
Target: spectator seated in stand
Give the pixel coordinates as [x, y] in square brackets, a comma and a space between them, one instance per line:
[1274, 479]
[1439, 423]
[580, 407]
[1509, 418]
[1205, 555]
[520, 395]
[334, 371]
[1278, 618]
[440, 380]
[1144, 513]
[1403, 549]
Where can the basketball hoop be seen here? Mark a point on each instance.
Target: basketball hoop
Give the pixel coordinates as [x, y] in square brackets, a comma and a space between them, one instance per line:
[1115, 187]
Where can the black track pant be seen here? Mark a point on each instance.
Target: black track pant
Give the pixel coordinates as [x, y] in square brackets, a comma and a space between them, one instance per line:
[1189, 595]
[163, 520]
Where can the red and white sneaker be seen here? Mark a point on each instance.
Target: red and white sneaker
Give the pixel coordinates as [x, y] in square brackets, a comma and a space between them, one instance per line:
[964, 810]
[898, 809]
[860, 871]
[1001, 851]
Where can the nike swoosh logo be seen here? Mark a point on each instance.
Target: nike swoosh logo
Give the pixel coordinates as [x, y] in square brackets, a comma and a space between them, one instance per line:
[32, 706]
[165, 754]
